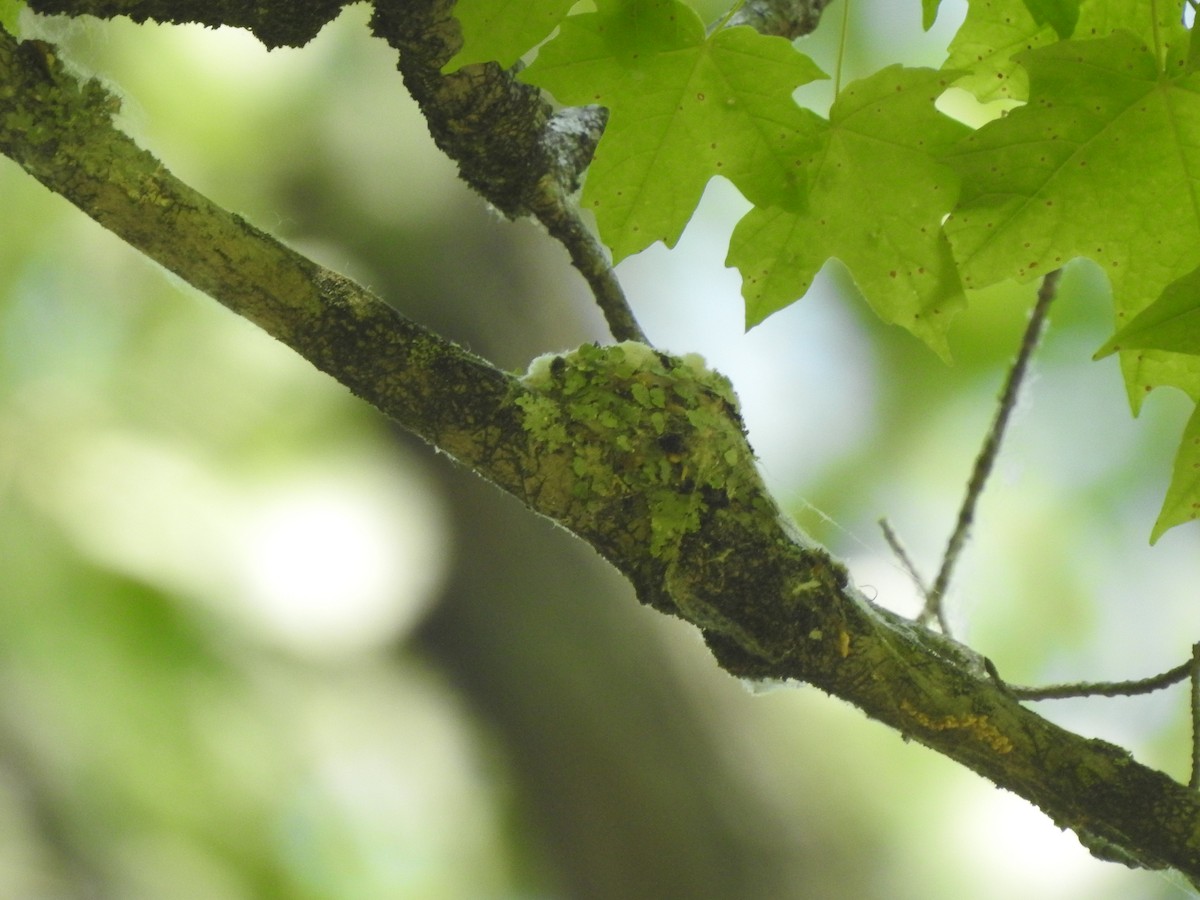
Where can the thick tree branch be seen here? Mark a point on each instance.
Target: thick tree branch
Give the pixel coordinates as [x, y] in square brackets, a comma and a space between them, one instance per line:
[277, 23]
[639, 453]
[511, 147]
[61, 132]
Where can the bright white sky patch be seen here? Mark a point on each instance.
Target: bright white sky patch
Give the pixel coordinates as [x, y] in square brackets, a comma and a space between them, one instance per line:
[334, 563]
[1017, 851]
[328, 557]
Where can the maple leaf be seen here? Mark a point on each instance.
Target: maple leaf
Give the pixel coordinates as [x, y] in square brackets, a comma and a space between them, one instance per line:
[929, 11]
[683, 107]
[877, 194]
[994, 31]
[503, 30]
[1172, 322]
[1103, 162]
[1061, 15]
[1182, 502]
[10, 11]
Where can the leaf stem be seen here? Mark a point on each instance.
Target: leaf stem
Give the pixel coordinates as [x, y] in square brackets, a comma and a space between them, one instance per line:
[988, 452]
[724, 20]
[1158, 54]
[841, 53]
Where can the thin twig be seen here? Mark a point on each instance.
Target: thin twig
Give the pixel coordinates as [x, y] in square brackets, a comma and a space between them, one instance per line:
[1106, 688]
[553, 208]
[988, 452]
[1194, 668]
[559, 215]
[893, 541]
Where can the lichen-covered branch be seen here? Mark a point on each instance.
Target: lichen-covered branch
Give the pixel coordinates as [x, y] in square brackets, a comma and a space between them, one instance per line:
[786, 18]
[277, 23]
[60, 131]
[510, 146]
[640, 453]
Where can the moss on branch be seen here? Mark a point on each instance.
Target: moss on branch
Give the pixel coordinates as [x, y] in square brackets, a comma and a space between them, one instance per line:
[593, 409]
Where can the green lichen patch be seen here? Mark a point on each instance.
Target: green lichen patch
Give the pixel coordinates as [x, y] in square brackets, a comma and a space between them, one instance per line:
[658, 436]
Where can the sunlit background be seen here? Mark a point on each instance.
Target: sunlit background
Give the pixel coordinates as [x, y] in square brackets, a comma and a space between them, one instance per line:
[254, 642]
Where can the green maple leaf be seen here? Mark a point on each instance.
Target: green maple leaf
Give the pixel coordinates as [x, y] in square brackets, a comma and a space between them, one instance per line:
[1172, 322]
[929, 11]
[992, 32]
[995, 31]
[877, 194]
[10, 11]
[683, 107]
[503, 30]
[1103, 162]
[1061, 15]
[1182, 503]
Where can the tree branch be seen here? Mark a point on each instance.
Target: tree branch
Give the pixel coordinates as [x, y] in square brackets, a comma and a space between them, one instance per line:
[511, 147]
[639, 453]
[786, 18]
[277, 23]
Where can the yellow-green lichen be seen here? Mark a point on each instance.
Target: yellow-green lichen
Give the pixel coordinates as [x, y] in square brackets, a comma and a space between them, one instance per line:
[637, 423]
[978, 727]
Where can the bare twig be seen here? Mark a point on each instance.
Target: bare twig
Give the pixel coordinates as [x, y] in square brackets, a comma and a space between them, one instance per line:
[988, 452]
[1105, 688]
[560, 216]
[893, 541]
[1194, 669]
